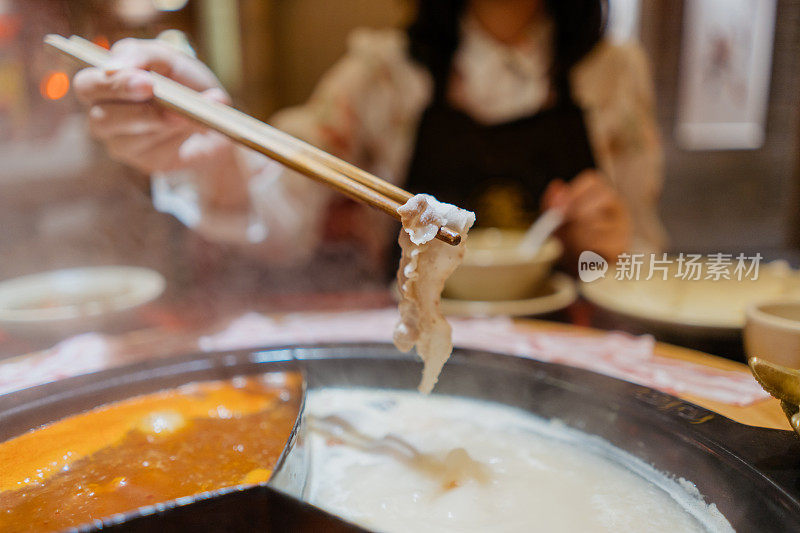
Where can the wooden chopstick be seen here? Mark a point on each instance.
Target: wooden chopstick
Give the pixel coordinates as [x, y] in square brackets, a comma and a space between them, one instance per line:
[282, 147]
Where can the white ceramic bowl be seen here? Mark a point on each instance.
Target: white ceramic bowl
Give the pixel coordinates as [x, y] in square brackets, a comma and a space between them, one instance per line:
[702, 308]
[77, 299]
[772, 332]
[495, 269]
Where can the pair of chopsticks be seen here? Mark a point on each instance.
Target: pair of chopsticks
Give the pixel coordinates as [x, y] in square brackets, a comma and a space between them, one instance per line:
[290, 151]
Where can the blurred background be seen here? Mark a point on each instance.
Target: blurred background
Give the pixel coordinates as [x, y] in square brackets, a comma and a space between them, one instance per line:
[64, 203]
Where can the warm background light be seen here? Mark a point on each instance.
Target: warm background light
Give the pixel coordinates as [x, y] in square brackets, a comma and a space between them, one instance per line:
[55, 85]
[170, 5]
[102, 41]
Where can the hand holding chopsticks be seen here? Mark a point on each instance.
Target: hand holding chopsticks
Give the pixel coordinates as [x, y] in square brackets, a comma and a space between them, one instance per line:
[291, 152]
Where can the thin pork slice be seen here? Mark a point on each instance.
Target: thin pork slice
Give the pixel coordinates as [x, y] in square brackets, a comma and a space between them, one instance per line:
[425, 265]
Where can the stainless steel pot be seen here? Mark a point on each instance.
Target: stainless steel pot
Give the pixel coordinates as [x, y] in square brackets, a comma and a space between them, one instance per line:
[751, 474]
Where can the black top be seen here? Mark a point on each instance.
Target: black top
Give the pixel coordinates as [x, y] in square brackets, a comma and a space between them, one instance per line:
[501, 170]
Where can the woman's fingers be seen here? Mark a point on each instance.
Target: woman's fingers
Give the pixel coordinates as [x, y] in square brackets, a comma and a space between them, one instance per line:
[162, 58]
[123, 118]
[555, 195]
[602, 204]
[580, 190]
[217, 94]
[123, 115]
[116, 118]
[123, 78]
[149, 153]
[596, 217]
[589, 198]
[133, 118]
[92, 85]
[146, 135]
[142, 54]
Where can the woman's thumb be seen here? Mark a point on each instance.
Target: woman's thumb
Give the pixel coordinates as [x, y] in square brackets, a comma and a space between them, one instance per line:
[217, 94]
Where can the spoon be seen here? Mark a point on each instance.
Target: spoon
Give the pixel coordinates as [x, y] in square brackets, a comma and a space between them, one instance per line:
[541, 229]
[781, 382]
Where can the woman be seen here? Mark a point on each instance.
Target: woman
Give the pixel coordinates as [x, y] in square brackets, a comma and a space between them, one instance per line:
[501, 106]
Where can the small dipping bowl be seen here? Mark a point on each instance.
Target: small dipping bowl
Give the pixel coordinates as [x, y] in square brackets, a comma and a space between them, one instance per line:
[75, 300]
[495, 269]
[772, 332]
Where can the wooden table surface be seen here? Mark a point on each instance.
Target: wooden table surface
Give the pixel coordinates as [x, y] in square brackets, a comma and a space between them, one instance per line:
[765, 413]
[162, 342]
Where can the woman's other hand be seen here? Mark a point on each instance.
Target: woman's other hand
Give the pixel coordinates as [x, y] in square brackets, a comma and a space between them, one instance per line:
[132, 127]
[595, 216]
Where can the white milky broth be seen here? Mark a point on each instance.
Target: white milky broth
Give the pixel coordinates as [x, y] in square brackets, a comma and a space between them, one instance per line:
[399, 461]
